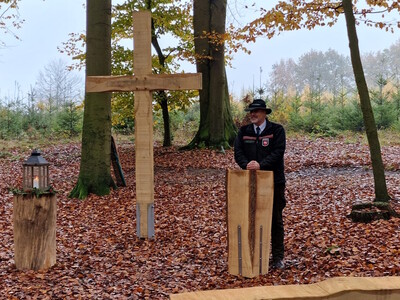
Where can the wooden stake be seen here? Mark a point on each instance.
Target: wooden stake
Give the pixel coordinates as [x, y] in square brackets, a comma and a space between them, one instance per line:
[263, 219]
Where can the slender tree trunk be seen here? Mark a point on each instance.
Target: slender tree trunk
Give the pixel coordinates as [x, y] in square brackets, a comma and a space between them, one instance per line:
[95, 174]
[381, 193]
[216, 127]
[162, 95]
[167, 124]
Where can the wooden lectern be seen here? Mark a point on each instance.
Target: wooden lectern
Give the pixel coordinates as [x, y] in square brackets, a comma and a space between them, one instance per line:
[250, 201]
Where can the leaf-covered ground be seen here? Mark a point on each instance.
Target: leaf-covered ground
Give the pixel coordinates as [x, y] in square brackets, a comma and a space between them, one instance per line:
[99, 256]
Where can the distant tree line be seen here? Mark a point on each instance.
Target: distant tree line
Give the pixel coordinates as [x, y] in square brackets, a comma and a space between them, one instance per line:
[53, 106]
[315, 94]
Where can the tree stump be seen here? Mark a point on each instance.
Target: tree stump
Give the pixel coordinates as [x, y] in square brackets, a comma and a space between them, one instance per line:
[250, 200]
[34, 221]
[371, 211]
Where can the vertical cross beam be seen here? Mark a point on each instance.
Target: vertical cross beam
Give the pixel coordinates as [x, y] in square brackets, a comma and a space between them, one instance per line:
[144, 169]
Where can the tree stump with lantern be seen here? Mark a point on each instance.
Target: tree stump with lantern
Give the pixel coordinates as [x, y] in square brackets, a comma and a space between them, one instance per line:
[34, 217]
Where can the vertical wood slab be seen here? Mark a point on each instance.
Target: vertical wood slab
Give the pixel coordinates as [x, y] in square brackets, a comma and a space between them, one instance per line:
[238, 209]
[263, 220]
[144, 165]
[142, 42]
[34, 226]
[249, 216]
[144, 172]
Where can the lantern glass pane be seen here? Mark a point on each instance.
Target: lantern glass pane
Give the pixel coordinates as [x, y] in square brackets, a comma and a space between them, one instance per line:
[35, 172]
[35, 177]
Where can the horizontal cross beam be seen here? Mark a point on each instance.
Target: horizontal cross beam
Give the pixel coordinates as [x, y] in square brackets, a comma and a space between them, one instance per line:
[153, 82]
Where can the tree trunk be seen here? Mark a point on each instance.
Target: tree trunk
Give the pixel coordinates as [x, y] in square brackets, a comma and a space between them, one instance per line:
[162, 95]
[216, 127]
[217, 74]
[34, 222]
[381, 193]
[95, 174]
[167, 125]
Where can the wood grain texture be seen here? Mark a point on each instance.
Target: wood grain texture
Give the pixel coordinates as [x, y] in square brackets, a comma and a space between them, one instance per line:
[34, 222]
[249, 202]
[152, 82]
[238, 203]
[339, 288]
[142, 42]
[263, 219]
[144, 165]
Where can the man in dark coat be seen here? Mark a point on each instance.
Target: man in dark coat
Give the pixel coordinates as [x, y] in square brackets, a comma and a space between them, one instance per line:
[261, 146]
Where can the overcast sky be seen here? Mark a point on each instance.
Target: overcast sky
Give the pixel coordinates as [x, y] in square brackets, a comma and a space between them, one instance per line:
[49, 22]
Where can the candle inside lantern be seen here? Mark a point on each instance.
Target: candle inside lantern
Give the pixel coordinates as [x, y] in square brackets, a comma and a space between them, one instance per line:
[36, 182]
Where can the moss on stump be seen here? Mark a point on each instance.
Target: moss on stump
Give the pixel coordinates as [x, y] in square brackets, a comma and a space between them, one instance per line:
[371, 211]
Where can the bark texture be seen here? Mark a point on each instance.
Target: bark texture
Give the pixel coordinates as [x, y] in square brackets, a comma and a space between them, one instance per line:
[216, 127]
[34, 221]
[95, 172]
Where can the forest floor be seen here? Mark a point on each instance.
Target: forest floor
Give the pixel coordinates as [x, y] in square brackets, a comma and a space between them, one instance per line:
[100, 257]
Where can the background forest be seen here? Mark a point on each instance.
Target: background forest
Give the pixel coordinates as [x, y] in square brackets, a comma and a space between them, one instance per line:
[315, 94]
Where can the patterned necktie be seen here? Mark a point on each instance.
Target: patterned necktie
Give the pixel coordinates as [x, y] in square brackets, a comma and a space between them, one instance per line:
[258, 133]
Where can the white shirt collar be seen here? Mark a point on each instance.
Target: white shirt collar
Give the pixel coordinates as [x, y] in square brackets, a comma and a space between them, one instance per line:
[262, 126]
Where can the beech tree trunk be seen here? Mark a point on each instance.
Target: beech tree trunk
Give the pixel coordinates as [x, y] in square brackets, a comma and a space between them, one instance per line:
[34, 221]
[216, 127]
[381, 193]
[95, 171]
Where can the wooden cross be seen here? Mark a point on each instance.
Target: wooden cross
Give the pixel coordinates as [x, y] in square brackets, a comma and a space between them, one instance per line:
[142, 84]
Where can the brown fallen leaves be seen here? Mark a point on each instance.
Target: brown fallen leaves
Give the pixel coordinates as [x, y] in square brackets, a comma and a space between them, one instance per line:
[99, 256]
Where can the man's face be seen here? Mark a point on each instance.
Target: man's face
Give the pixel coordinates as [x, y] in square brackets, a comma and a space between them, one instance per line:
[258, 116]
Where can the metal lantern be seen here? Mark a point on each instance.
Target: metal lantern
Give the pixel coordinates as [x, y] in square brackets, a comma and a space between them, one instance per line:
[36, 172]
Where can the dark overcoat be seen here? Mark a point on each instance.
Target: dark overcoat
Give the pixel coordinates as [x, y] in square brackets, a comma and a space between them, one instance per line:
[268, 150]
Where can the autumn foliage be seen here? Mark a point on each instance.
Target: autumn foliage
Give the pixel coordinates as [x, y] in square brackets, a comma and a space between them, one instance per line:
[99, 256]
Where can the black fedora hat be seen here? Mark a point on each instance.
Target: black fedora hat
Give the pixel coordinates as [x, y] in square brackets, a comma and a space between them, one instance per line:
[258, 104]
